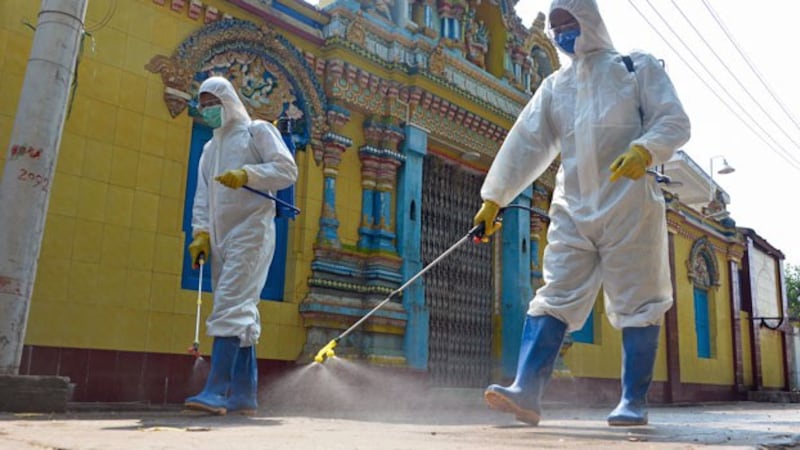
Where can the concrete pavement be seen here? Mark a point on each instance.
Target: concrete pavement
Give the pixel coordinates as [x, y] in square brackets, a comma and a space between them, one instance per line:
[721, 426]
[342, 405]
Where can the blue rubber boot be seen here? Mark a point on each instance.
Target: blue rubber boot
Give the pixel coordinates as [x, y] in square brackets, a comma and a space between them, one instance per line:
[213, 397]
[639, 347]
[244, 384]
[541, 341]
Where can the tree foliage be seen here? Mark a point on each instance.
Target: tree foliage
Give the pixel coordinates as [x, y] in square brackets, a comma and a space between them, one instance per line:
[792, 275]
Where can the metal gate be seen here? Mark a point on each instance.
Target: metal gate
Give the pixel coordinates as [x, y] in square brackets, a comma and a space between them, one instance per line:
[458, 291]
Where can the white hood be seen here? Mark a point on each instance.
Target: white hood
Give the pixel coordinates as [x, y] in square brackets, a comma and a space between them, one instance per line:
[233, 110]
[594, 35]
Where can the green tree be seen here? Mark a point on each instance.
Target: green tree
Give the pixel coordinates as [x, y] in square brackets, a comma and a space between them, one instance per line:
[792, 275]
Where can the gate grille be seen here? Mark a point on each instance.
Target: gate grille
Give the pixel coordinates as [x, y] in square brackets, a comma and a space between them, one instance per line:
[458, 290]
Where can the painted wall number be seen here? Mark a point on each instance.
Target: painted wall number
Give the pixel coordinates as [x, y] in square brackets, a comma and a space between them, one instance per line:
[36, 179]
[22, 150]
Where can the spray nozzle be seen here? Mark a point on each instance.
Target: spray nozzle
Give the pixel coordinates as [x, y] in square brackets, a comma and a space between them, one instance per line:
[194, 350]
[326, 351]
[478, 232]
[664, 179]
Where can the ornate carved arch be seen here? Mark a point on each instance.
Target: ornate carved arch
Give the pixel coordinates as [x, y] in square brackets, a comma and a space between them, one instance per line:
[273, 77]
[538, 45]
[702, 264]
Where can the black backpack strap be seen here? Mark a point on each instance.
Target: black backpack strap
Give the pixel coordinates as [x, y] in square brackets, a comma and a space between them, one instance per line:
[628, 63]
[632, 69]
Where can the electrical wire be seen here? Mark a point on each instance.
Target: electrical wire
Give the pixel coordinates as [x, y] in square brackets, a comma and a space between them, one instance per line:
[750, 63]
[703, 80]
[732, 73]
[716, 94]
[786, 153]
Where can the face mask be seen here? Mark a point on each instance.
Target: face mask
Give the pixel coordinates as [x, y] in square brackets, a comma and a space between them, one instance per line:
[212, 116]
[566, 40]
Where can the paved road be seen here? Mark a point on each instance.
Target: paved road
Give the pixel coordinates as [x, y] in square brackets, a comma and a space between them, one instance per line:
[469, 426]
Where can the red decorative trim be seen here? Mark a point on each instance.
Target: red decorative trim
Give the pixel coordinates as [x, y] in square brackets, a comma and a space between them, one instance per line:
[672, 335]
[119, 376]
[161, 378]
[299, 32]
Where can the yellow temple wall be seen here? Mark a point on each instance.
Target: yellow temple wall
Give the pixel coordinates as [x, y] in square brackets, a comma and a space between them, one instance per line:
[109, 274]
[719, 368]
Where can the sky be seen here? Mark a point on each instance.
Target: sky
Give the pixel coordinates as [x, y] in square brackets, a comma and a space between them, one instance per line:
[763, 143]
[734, 111]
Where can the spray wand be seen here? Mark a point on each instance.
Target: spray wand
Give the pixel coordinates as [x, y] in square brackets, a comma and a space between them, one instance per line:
[475, 234]
[295, 210]
[194, 350]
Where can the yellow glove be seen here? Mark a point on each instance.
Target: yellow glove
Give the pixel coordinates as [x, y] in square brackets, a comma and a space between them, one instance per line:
[234, 179]
[632, 164]
[487, 216]
[201, 245]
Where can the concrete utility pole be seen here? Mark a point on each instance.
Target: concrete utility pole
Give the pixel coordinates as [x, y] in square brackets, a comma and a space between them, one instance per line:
[30, 166]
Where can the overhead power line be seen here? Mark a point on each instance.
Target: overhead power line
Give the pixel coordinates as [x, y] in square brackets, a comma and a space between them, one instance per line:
[750, 63]
[731, 72]
[785, 154]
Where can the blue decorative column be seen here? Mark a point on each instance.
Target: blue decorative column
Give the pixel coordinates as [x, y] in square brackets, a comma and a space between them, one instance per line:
[386, 234]
[380, 159]
[334, 146]
[409, 236]
[516, 279]
[369, 173]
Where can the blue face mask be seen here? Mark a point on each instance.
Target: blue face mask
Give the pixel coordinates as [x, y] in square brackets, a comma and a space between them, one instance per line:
[212, 116]
[566, 40]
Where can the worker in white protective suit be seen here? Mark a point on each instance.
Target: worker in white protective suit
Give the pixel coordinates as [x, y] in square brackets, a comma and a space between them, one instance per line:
[234, 229]
[610, 120]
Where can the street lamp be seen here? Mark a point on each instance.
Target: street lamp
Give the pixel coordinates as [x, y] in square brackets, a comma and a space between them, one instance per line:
[726, 169]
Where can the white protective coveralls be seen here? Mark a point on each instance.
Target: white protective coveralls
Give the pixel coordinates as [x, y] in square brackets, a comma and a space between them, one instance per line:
[612, 233]
[239, 222]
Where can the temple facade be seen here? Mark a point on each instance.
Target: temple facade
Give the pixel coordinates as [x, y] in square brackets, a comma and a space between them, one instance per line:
[394, 110]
